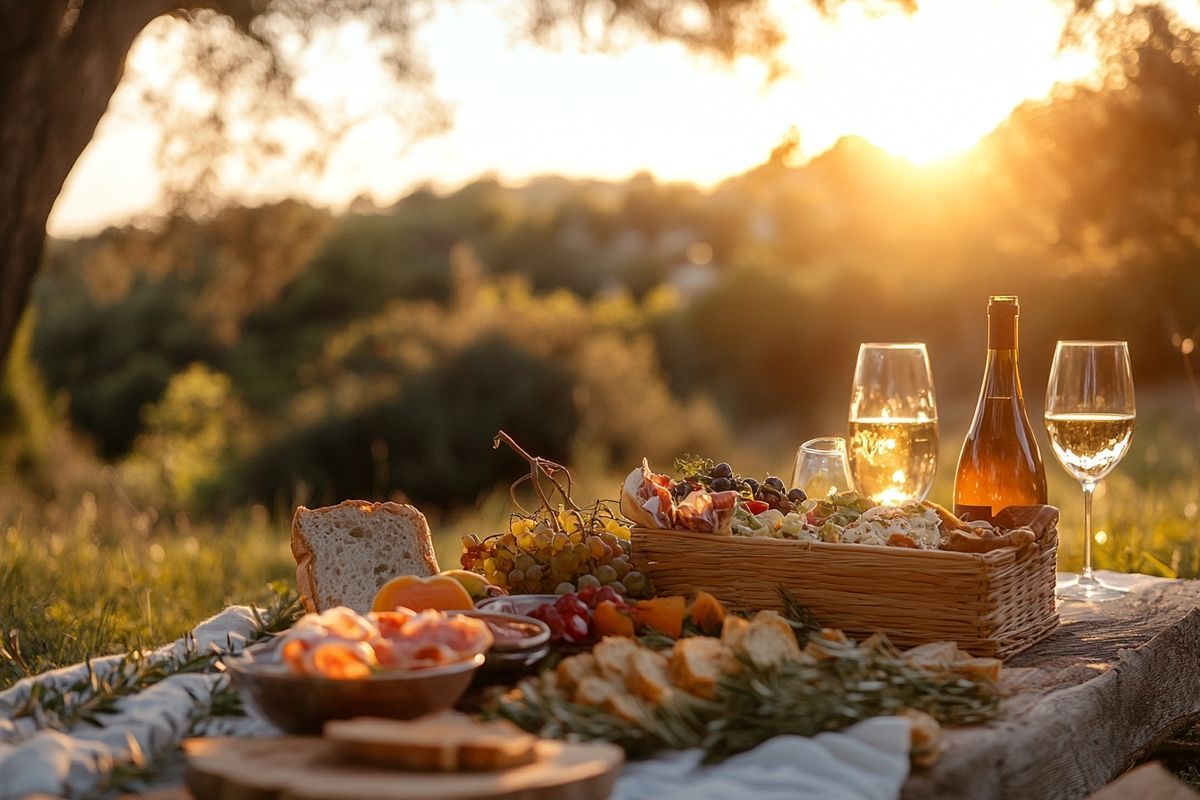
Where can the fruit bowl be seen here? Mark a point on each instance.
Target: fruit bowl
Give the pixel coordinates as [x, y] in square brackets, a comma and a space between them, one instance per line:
[302, 704]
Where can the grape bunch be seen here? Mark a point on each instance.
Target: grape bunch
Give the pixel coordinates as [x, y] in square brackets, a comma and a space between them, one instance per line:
[537, 556]
[700, 473]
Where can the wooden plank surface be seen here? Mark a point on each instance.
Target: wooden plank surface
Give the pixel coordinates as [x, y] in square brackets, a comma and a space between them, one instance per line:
[1108, 686]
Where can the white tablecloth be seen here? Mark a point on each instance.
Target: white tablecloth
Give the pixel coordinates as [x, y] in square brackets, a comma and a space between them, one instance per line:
[866, 762]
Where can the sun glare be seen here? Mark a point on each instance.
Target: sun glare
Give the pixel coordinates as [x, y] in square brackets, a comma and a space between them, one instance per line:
[931, 84]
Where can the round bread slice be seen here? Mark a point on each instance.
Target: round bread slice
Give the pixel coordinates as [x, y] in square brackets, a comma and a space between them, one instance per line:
[448, 742]
[344, 553]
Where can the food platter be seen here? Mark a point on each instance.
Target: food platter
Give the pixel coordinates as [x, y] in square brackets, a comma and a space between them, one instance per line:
[691, 616]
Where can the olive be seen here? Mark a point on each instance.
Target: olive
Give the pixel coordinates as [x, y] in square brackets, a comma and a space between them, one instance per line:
[775, 483]
[797, 496]
[722, 470]
[721, 484]
[752, 485]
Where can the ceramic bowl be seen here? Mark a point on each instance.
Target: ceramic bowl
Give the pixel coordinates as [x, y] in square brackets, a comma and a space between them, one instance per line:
[302, 704]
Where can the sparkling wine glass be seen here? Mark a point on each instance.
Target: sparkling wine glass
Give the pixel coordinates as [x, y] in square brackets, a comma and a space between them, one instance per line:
[1089, 417]
[893, 442]
[821, 468]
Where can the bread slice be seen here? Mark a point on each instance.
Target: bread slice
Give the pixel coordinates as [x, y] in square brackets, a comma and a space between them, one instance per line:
[613, 655]
[447, 742]
[768, 640]
[695, 665]
[647, 677]
[344, 553]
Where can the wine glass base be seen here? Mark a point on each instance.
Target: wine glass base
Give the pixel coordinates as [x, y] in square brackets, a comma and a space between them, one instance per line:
[1093, 591]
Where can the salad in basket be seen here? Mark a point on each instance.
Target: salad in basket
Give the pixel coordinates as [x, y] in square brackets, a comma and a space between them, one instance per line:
[712, 498]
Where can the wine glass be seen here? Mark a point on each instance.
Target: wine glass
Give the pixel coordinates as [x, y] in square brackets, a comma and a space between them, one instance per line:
[821, 468]
[893, 443]
[1089, 417]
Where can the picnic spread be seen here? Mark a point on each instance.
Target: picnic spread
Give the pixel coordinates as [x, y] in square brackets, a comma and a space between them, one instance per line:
[707, 635]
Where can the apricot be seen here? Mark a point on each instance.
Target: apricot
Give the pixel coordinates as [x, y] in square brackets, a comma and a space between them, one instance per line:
[418, 594]
[611, 621]
[707, 613]
[663, 614]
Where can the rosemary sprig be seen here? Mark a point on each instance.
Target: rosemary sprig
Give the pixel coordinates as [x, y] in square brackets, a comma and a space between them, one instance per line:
[848, 683]
[800, 617]
[537, 707]
[853, 683]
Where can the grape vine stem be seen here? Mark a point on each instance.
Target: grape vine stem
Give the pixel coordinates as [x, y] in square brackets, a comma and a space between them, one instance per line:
[538, 467]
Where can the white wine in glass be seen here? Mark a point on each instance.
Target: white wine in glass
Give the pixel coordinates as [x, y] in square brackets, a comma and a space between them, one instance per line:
[1090, 414]
[893, 440]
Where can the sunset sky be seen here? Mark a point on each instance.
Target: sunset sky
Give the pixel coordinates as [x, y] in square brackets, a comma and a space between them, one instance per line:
[922, 87]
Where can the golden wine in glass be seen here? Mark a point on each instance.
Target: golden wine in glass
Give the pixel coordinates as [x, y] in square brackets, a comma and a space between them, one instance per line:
[1089, 416]
[893, 442]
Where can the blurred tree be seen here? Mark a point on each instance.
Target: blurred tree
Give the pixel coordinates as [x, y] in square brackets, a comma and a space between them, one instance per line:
[61, 61]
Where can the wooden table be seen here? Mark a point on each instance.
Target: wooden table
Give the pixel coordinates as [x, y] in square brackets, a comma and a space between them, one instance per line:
[1109, 686]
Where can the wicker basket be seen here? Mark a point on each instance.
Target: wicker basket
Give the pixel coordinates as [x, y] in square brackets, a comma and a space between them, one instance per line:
[991, 604]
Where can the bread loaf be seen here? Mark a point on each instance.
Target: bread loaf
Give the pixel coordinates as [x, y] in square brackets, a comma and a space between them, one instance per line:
[344, 553]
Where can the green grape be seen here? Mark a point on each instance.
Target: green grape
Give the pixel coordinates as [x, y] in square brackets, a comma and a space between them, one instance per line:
[588, 580]
[507, 542]
[516, 577]
[621, 565]
[525, 540]
[523, 562]
[534, 576]
[605, 574]
[504, 562]
[619, 588]
[560, 542]
[489, 565]
[581, 552]
[635, 582]
[543, 539]
[596, 547]
[564, 587]
[610, 539]
[576, 537]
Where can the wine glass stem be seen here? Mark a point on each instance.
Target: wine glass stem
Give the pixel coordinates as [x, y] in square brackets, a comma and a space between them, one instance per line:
[1089, 488]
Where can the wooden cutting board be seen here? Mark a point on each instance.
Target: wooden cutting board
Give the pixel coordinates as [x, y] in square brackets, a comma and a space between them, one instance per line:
[303, 768]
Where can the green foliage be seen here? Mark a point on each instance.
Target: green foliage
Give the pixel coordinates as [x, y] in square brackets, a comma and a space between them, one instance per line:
[189, 438]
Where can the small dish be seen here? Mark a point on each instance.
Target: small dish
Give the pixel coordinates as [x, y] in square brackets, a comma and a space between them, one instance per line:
[302, 704]
[518, 604]
[511, 632]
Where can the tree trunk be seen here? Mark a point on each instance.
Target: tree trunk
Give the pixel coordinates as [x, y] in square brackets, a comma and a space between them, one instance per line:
[60, 62]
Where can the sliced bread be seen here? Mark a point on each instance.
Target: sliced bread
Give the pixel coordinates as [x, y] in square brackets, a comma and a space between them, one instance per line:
[447, 742]
[344, 553]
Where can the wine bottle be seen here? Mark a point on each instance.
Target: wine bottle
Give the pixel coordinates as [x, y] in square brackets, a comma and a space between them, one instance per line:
[1000, 465]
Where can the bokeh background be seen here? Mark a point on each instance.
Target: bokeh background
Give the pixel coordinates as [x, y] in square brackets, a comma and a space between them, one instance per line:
[181, 382]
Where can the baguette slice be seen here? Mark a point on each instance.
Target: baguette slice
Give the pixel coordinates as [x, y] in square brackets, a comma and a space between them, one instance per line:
[344, 553]
[447, 742]
[695, 665]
